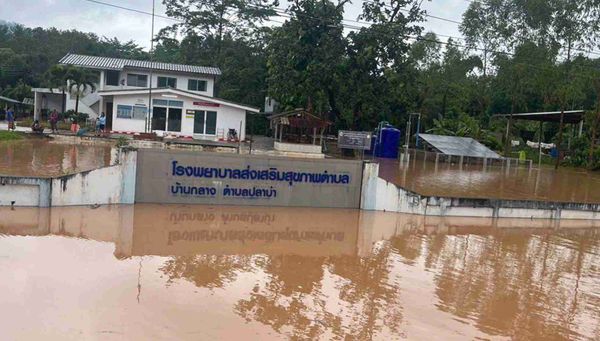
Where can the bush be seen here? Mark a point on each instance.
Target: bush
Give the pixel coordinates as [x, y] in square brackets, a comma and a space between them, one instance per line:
[78, 117]
[122, 141]
[595, 164]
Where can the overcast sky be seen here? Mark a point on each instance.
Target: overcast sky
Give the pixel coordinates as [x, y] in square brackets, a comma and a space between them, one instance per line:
[103, 20]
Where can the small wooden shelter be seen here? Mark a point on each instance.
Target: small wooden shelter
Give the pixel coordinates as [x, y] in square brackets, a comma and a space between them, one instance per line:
[298, 126]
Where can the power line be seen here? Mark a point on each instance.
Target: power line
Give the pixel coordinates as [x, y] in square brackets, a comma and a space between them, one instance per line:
[284, 13]
[133, 10]
[147, 13]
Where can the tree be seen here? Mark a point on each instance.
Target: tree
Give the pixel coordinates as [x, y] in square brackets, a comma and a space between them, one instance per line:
[80, 81]
[210, 21]
[57, 77]
[19, 92]
[304, 56]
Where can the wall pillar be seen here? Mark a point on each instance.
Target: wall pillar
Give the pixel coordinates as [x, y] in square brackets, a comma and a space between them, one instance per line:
[37, 106]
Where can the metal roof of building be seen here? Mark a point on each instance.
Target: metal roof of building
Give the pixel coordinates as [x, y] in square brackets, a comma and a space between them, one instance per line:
[571, 116]
[10, 100]
[109, 63]
[179, 92]
[454, 145]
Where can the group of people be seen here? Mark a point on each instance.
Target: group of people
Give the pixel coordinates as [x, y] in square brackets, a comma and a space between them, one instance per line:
[53, 118]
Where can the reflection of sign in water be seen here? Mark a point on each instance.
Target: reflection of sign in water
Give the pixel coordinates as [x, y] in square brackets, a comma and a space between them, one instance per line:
[216, 178]
[234, 230]
[354, 139]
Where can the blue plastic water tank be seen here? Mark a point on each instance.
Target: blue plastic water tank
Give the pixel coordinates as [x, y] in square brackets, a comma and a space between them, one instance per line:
[388, 142]
[373, 145]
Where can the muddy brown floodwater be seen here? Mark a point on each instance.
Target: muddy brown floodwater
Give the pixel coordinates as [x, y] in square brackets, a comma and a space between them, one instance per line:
[44, 158]
[253, 273]
[518, 183]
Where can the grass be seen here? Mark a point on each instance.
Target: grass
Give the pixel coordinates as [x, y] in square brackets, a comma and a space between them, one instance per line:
[10, 135]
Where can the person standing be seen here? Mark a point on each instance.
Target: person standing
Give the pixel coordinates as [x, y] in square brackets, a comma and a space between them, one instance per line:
[102, 123]
[54, 121]
[10, 117]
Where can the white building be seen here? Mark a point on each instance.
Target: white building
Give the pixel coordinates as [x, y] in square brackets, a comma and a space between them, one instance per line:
[180, 97]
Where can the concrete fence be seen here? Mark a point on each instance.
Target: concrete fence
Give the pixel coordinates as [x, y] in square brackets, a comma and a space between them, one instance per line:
[151, 178]
[381, 195]
[108, 185]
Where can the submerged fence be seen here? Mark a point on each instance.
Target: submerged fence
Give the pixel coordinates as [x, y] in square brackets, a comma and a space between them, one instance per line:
[415, 156]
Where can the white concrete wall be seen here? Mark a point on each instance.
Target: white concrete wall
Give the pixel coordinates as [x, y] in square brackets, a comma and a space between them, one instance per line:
[379, 195]
[297, 147]
[125, 124]
[23, 191]
[107, 185]
[227, 117]
[21, 195]
[182, 81]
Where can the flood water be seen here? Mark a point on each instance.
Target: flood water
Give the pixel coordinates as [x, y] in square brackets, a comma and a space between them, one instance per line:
[515, 183]
[41, 157]
[255, 273]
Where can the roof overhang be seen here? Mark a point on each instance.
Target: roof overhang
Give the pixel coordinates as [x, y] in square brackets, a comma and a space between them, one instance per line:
[110, 63]
[571, 116]
[10, 100]
[47, 91]
[162, 91]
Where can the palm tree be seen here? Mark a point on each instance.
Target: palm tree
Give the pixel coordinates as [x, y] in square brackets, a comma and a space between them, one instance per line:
[80, 80]
[56, 77]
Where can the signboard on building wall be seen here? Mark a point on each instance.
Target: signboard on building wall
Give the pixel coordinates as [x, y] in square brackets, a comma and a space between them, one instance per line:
[354, 139]
[207, 104]
[167, 176]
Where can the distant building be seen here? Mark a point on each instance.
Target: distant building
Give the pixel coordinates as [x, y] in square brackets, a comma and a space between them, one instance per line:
[182, 101]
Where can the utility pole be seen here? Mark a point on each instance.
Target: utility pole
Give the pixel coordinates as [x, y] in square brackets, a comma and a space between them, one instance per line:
[408, 124]
[148, 126]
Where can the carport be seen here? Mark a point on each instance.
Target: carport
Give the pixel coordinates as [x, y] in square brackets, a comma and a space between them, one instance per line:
[573, 117]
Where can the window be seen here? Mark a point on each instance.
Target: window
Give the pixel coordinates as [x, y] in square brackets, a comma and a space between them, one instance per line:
[112, 77]
[124, 111]
[136, 112]
[169, 103]
[205, 122]
[178, 104]
[160, 102]
[196, 85]
[139, 112]
[137, 80]
[164, 82]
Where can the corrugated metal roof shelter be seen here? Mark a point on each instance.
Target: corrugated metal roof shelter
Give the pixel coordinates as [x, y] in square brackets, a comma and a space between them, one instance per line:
[454, 145]
[109, 63]
[570, 116]
[9, 100]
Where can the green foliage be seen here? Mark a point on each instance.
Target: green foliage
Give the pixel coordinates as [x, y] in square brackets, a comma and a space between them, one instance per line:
[464, 126]
[122, 141]
[28, 53]
[18, 91]
[595, 163]
[578, 157]
[78, 117]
